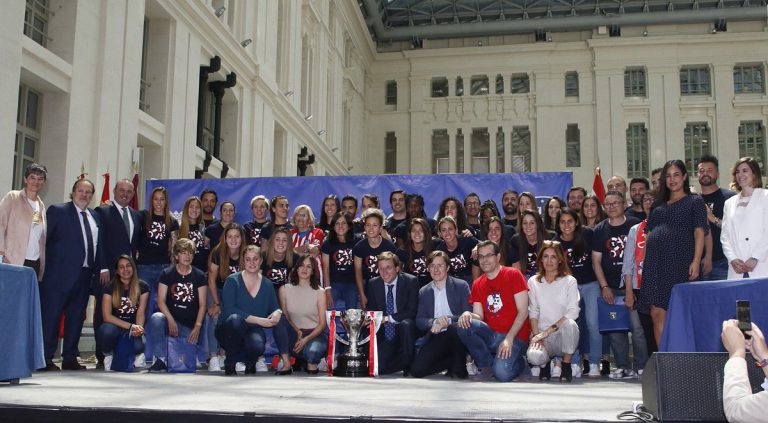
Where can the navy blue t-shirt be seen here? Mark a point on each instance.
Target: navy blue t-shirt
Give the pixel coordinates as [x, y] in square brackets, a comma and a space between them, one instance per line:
[581, 267]
[611, 241]
[716, 202]
[182, 297]
[341, 262]
[370, 256]
[266, 230]
[460, 258]
[234, 265]
[127, 311]
[153, 248]
[253, 232]
[530, 255]
[415, 263]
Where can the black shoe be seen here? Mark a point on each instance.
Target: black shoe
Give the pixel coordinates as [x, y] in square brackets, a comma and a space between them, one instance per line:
[313, 372]
[72, 365]
[546, 372]
[158, 366]
[250, 369]
[100, 365]
[585, 365]
[230, 370]
[284, 372]
[49, 367]
[299, 365]
[566, 374]
[605, 367]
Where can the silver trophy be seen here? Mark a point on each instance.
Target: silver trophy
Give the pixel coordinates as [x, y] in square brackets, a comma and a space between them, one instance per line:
[353, 363]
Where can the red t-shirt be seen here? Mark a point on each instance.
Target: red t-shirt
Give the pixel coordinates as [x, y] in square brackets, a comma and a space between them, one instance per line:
[497, 296]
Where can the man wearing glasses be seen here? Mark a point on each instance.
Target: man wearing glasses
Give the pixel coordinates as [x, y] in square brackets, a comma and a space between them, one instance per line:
[496, 332]
[608, 244]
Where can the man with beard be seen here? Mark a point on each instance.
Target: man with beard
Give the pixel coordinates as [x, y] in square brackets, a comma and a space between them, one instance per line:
[472, 208]
[209, 198]
[637, 187]
[576, 197]
[415, 208]
[509, 205]
[714, 197]
[655, 175]
[399, 215]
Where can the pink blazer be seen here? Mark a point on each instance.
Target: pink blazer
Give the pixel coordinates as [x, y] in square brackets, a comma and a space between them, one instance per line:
[15, 224]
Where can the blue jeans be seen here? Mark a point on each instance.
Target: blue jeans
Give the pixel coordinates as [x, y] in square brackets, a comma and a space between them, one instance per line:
[210, 326]
[346, 292]
[482, 341]
[314, 350]
[150, 273]
[620, 341]
[719, 271]
[159, 325]
[109, 334]
[245, 342]
[589, 294]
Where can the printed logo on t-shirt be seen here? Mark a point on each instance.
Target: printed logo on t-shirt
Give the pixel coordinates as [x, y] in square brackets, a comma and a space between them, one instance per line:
[418, 266]
[233, 268]
[127, 309]
[255, 236]
[574, 261]
[278, 276]
[493, 303]
[197, 238]
[372, 264]
[156, 232]
[615, 246]
[343, 257]
[458, 263]
[183, 292]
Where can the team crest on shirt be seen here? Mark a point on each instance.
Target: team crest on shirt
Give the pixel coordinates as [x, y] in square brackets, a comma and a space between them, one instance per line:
[343, 258]
[126, 307]
[493, 303]
[255, 236]
[418, 266]
[372, 264]
[197, 238]
[458, 263]
[575, 260]
[615, 246]
[278, 276]
[156, 231]
[183, 292]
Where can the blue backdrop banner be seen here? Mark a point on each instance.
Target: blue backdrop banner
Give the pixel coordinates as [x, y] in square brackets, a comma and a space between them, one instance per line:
[311, 190]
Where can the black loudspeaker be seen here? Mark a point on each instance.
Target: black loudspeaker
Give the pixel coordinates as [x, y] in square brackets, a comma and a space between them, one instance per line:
[685, 387]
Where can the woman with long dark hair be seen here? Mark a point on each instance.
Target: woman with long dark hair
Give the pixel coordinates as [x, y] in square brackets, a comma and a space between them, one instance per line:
[123, 306]
[215, 230]
[551, 209]
[451, 206]
[328, 210]
[675, 243]
[154, 253]
[459, 249]
[416, 249]
[338, 262]
[591, 212]
[527, 242]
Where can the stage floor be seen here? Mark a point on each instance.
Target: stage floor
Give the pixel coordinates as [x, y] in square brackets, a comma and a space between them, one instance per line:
[284, 398]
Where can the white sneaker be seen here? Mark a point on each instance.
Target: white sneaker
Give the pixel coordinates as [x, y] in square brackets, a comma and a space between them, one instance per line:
[107, 363]
[623, 374]
[594, 370]
[322, 366]
[640, 374]
[140, 361]
[214, 364]
[471, 368]
[556, 370]
[239, 366]
[576, 371]
[261, 365]
[535, 371]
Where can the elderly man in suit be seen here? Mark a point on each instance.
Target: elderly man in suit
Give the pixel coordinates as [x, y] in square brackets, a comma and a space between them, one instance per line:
[441, 302]
[396, 294]
[121, 231]
[72, 252]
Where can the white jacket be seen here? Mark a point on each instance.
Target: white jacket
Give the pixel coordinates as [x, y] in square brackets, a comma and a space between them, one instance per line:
[745, 234]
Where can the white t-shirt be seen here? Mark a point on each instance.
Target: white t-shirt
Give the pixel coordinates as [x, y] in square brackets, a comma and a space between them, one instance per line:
[35, 233]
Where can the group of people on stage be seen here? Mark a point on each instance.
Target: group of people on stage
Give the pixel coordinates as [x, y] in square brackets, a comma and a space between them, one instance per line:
[475, 291]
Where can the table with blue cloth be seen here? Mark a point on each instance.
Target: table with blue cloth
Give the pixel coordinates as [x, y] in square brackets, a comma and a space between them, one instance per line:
[696, 312]
[21, 351]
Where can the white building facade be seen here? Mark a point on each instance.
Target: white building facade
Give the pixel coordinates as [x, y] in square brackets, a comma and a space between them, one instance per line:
[115, 85]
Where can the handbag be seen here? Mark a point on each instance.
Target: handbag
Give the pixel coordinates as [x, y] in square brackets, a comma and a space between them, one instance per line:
[123, 356]
[182, 356]
[612, 318]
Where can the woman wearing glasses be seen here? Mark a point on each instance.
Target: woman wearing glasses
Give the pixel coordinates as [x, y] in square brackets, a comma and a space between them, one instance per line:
[675, 244]
[441, 302]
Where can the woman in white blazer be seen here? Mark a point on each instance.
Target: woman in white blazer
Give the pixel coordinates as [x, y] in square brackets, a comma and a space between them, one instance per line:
[745, 223]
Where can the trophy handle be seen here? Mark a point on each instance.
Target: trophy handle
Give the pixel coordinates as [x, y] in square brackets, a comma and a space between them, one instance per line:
[340, 339]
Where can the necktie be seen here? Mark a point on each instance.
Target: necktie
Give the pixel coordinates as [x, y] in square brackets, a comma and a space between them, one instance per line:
[89, 238]
[389, 328]
[127, 222]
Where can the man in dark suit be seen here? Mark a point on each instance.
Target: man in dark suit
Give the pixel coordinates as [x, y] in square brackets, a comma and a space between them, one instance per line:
[441, 302]
[395, 294]
[73, 258]
[121, 230]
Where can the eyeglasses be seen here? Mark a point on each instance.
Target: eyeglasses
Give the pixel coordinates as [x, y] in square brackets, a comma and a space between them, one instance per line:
[612, 204]
[437, 266]
[485, 256]
[648, 200]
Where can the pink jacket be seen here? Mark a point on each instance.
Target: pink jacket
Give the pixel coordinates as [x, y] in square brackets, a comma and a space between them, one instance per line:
[15, 224]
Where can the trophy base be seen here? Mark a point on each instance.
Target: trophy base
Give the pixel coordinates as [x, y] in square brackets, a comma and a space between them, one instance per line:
[351, 366]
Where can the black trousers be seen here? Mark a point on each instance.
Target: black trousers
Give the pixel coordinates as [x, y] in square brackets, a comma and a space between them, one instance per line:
[442, 351]
[397, 354]
[72, 302]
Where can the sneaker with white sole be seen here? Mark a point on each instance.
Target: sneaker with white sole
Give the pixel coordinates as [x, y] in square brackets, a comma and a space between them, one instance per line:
[576, 371]
[240, 366]
[623, 374]
[594, 370]
[471, 369]
[140, 361]
[322, 366]
[214, 364]
[556, 370]
[535, 371]
[107, 362]
[261, 365]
